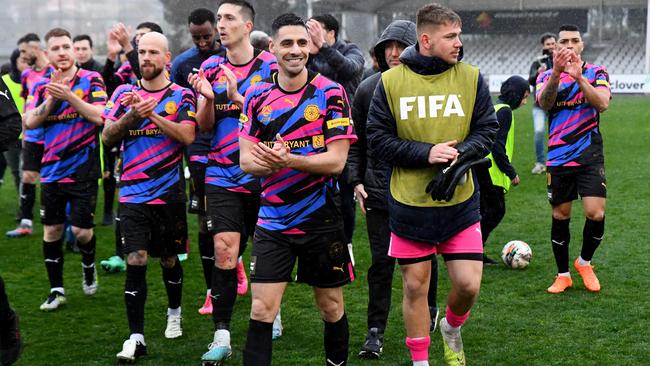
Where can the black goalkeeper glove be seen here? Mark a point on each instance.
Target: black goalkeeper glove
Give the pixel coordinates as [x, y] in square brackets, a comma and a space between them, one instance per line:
[443, 185]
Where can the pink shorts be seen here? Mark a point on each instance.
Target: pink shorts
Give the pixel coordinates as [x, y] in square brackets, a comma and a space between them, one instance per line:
[468, 241]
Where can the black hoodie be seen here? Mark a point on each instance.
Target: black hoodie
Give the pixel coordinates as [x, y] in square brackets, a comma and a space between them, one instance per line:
[362, 166]
[512, 93]
[426, 224]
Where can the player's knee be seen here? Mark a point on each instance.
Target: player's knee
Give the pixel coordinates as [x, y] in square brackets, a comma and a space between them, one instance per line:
[168, 262]
[262, 310]
[225, 254]
[415, 286]
[137, 258]
[331, 310]
[468, 289]
[561, 214]
[595, 215]
[29, 177]
[82, 235]
[52, 232]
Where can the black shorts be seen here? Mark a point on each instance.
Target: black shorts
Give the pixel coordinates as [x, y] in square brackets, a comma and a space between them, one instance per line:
[231, 211]
[567, 184]
[197, 188]
[82, 197]
[323, 259]
[161, 230]
[32, 155]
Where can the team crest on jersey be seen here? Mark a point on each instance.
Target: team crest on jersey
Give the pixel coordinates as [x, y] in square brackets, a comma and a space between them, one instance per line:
[79, 93]
[170, 108]
[222, 79]
[318, 141]
[266, 114]
[256, 79]
[312, 112]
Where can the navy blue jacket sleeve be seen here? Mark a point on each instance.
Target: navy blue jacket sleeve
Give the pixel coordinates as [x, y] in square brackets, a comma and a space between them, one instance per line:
[484, 125]
[347, 65]
[383, 139]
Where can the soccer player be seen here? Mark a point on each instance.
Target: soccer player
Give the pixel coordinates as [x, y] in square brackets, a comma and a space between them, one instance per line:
[204, 35]
[232, 194]
[369, 175]
[32, 151]
[153, 121]
[427, 114]
[128, 73]
[68, 106]
[575, 93]
[495, 181]
[296, 134]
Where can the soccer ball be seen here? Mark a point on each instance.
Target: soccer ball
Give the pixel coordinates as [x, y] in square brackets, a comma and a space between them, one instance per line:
[516, 254]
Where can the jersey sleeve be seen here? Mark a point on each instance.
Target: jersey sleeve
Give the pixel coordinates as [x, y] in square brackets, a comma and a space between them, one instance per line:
[249, 126]
[114, 109]
[37, 95]
[541, 80]
[187, 109]
[97, 93]
[601, 79]
[338, 124]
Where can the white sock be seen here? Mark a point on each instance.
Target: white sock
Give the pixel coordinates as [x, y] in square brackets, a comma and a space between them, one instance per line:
[26, 222]
[451, 335]
[277, 322]
[60, 290]
[351, 253]
[239, 259]
[208, 292]
[583, 262]
[174, 312]
[138, 337]
[421, 363]
[564, 274]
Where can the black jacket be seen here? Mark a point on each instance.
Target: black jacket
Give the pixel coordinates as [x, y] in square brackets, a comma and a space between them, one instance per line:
[426, 224]
[363, 167]
[512, 92]
[10, 122]
[342, 62]
[92, 65]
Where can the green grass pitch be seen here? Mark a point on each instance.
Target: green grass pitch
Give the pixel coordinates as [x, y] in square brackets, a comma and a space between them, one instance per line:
[515, 321]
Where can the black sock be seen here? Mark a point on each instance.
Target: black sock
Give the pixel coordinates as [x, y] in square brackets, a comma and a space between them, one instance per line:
[592, 235]
[109, 194]
[336, 338]
[5, 310]
[560, 238]
[258, 350]
[206, 250]
[53, 254]
[224, 294]
[173, 278]
[118, 237]
[27, 199]
[135, 295]
[88, 259]
[432, 295]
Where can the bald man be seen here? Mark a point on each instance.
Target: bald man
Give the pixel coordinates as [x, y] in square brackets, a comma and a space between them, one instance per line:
[155, 121]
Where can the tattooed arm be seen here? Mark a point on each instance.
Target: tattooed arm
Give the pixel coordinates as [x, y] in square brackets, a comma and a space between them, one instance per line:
[36, 117]
[114, 131]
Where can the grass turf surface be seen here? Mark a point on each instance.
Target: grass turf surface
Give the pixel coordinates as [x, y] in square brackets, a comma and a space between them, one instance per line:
[514, 322]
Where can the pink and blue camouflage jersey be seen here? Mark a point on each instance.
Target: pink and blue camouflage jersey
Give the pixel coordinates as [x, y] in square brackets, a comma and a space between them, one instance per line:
[574, 137]
[28, 79]
[71, 150]
[296, 202]
[223, 160]
[152, 171]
